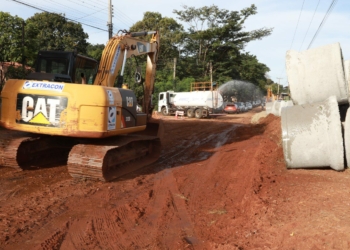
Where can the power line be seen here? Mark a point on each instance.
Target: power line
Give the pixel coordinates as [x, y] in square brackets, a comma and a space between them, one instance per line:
[120, 16]
[301, 10]
[68, 10]
[94, 22]
[323, 21]
[37, 8]
[89, 14]
[309, 24]
[128, 19]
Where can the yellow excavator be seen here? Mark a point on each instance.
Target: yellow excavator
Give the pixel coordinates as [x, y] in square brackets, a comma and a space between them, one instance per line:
[69, 111]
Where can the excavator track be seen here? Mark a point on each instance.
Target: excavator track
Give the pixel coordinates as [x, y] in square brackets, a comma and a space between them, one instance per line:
[109, 158]
[22, 150]
[103, 159]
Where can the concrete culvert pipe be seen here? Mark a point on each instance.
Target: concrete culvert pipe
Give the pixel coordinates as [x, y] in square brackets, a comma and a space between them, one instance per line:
[316, 74]
[312, 135]
[346, 126]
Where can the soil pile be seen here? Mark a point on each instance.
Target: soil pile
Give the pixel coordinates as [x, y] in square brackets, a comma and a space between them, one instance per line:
[219, 184]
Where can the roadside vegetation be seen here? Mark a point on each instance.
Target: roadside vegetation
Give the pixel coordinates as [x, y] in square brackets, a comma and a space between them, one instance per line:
[199, 45]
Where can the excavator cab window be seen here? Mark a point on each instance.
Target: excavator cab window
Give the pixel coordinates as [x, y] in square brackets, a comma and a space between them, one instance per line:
[64, 66]
[85, 68]
[55, 62]
[53, 65]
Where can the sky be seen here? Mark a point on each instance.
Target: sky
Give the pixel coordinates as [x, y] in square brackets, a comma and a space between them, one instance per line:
[297, 24]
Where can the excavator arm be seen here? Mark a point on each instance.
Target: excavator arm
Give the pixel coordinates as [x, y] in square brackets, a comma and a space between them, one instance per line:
[114, 56]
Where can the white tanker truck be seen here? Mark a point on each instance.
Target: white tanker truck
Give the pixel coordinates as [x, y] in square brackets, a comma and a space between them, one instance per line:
[194, 104]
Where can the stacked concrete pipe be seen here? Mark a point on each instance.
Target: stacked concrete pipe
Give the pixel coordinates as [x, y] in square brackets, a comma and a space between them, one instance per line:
[316, 74]
[311, 135]
[311, 129]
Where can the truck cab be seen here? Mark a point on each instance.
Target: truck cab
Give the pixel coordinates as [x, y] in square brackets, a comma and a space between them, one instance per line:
[165, 100]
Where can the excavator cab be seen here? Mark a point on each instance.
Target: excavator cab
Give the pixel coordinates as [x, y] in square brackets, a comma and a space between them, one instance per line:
[64, 66]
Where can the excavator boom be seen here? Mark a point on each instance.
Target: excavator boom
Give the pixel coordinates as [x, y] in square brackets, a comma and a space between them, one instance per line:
[117, 50]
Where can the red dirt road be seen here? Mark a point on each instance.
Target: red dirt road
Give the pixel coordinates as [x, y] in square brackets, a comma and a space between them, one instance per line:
[219, 184]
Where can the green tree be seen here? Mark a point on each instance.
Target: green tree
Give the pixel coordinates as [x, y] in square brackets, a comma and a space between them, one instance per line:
[171, 34]
[11, 49]
[251, 70]
[49, 31]
[215, 40]
[170, 37]
[14, 72]
[95, 51]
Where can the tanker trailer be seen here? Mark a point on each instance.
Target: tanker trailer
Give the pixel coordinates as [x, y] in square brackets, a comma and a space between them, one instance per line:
[194, 104]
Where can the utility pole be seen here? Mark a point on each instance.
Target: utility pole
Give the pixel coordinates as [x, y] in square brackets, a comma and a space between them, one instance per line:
[109, 23]
[211, 76]
[278, 86]
[23, 44]
[174, 74]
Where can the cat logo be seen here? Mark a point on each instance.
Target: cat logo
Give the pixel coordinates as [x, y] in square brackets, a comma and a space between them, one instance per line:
[40, 110]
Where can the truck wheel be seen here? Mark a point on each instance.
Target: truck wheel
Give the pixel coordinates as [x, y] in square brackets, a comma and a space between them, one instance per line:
[164, 112]
[190, 113]
[198, 113]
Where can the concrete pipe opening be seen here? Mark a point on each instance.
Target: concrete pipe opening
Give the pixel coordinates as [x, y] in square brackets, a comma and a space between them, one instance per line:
[346, 126]
[312, 135]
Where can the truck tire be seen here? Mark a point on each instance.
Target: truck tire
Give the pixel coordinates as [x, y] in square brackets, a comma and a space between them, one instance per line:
[198, 113]
[190, 113]
[164, 112]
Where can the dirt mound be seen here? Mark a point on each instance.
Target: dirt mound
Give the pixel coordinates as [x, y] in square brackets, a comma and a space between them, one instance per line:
[219, 184]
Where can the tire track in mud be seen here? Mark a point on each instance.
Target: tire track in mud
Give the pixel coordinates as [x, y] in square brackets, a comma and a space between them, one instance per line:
[122, 228]
[99, 226]
[95, 232]
[147, 231]
[94, 229]
[179, 204]
[118, 226]
[163, 222]
[179, 154]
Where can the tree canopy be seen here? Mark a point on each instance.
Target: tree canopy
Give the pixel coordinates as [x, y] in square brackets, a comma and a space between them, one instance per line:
[215, 41]
[95, 51]
[11, 44]
[212, 46]
[43, 31]
[48, 31]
